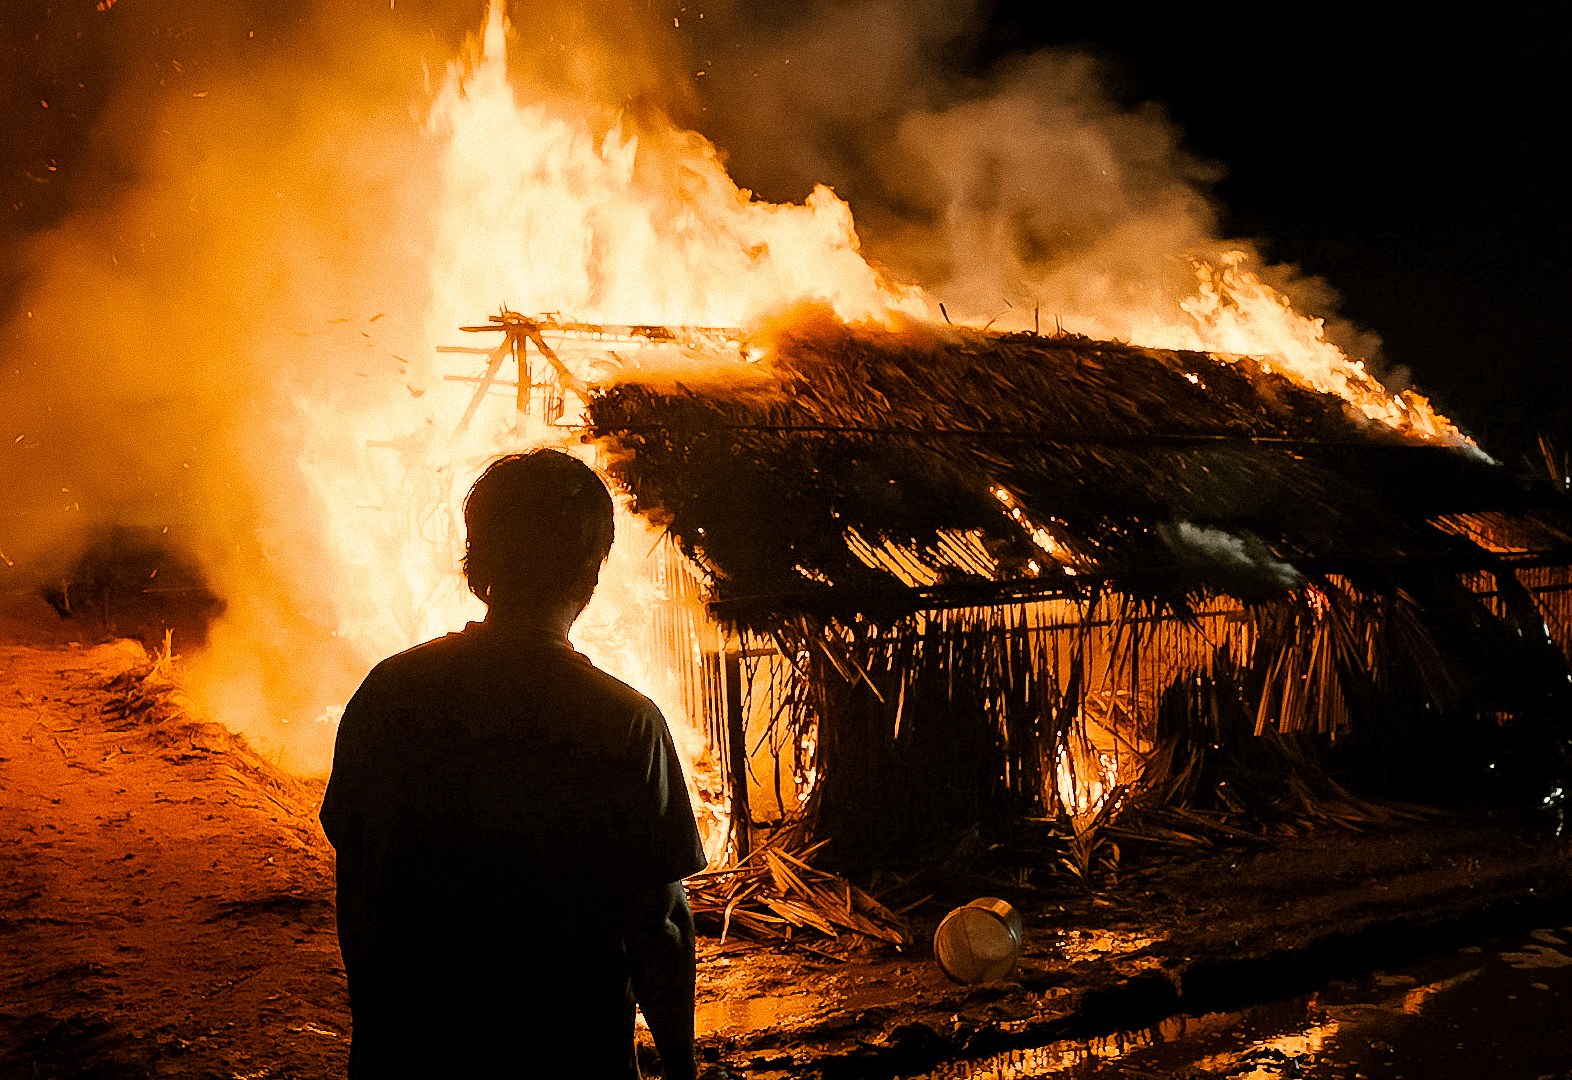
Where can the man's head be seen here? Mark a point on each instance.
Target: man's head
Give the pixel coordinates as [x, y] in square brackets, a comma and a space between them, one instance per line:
[539, 525]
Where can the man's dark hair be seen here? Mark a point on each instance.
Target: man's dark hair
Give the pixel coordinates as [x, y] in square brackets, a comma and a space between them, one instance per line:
[538, 524]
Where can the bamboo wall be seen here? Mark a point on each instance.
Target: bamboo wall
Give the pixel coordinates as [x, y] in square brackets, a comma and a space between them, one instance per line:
[876, 735]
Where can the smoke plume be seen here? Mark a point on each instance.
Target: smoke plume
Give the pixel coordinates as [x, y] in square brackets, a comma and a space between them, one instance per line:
[248, 231]
[245, 264]
[1006, 186]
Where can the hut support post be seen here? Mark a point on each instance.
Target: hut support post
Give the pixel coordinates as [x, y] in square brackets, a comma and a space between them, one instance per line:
[737, 757]
[521, 354]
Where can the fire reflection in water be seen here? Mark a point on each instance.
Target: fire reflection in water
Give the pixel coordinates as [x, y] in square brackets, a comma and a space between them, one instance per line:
[1477, 1012]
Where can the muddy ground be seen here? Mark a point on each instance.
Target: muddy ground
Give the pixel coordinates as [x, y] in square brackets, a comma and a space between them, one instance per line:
[166, 909]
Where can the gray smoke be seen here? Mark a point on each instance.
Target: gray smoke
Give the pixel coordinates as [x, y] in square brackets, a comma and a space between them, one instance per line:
[1031, 185]
[1239, 565]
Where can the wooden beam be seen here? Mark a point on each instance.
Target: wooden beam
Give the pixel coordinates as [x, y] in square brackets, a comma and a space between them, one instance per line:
[737, 757]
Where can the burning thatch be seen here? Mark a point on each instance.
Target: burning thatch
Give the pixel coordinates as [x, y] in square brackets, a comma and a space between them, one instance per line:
[901, 472]
[970, 548]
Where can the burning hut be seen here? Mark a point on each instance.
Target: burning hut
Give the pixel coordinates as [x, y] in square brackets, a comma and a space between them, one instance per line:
[974, 577]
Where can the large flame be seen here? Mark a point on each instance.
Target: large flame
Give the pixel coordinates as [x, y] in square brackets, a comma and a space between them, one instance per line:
[581, 215]
[542, 206]
[537, 210]
[1235, 313]
[540, 211]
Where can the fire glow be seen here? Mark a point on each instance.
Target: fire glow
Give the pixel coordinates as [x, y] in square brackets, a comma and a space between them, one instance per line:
[545, 207]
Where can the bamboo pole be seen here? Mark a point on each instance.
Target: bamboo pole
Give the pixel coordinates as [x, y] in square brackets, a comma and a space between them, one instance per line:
[737, 756]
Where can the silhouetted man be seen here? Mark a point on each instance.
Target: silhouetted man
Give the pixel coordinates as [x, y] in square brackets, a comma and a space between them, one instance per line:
[511, 823]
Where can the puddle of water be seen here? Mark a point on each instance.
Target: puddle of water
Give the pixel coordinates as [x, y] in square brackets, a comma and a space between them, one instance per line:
[867, 997]
[752, 1014]
[1500, 1009]
[736, 1015]
[733, 1015]
[1094, 944]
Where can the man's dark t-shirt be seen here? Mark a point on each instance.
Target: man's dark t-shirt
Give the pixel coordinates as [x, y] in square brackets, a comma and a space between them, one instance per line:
[494, 798]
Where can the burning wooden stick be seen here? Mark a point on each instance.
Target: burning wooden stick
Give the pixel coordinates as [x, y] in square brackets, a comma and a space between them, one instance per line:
[522, 332]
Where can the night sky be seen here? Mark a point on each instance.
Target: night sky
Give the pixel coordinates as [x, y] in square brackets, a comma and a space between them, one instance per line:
[1416, 166]
[1419, 164]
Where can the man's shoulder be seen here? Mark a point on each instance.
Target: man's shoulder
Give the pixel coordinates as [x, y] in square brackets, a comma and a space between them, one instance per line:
[428, 660]
[474, 658]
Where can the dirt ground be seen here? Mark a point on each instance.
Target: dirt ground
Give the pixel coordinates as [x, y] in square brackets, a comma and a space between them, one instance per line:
[166, 904]
[166, 909]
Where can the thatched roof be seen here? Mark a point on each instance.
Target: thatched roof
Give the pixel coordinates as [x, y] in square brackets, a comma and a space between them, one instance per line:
[891, 472]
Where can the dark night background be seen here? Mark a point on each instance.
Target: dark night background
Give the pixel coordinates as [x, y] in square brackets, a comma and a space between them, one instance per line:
[1416, 164]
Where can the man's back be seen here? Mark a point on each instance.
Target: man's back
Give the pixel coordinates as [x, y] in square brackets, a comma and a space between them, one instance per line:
[494, 799]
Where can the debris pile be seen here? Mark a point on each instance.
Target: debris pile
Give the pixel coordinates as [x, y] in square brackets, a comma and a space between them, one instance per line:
[773, 893]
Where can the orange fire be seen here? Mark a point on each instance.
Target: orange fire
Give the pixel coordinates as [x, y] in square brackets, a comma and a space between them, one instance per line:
[553, 207]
